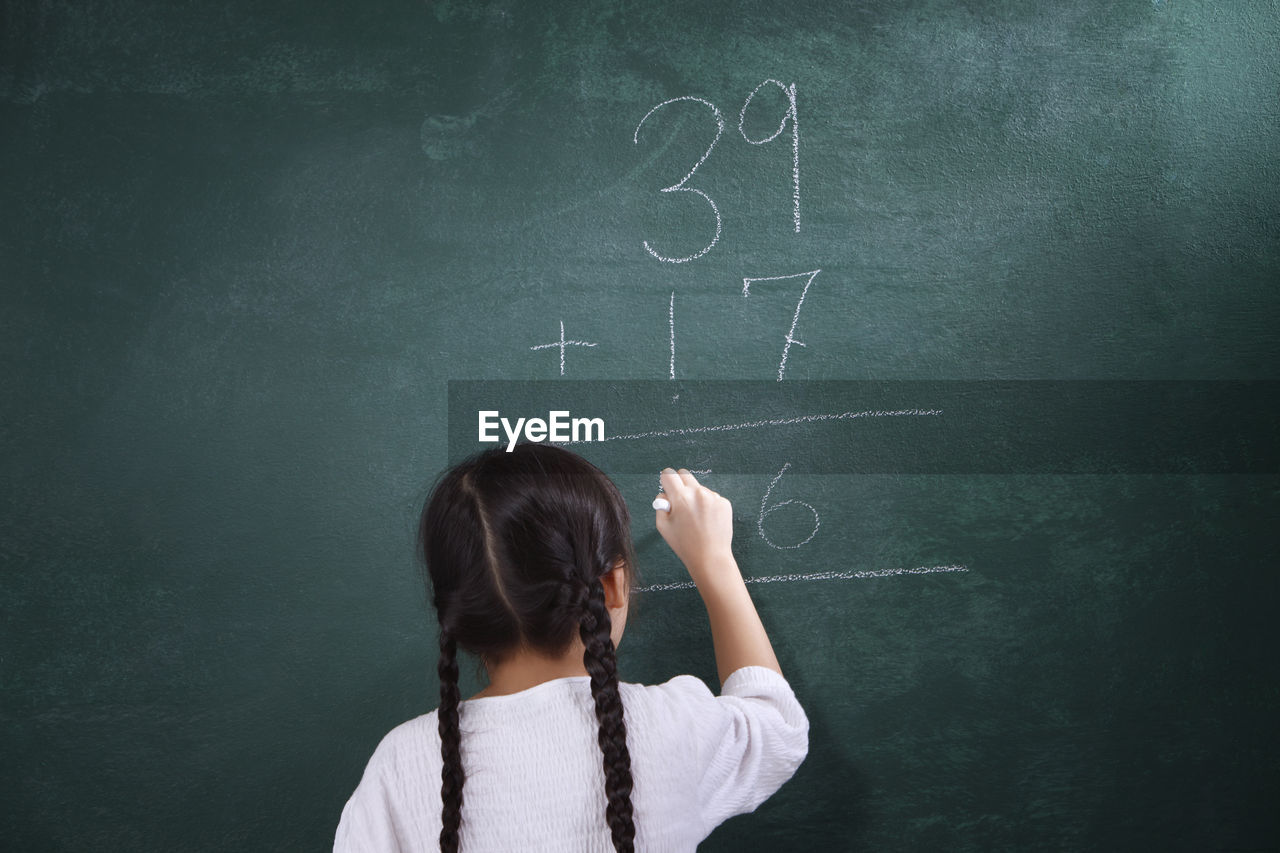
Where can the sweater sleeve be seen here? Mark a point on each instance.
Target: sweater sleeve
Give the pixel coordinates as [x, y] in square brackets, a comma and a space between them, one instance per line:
[368, 823]
[752, 743]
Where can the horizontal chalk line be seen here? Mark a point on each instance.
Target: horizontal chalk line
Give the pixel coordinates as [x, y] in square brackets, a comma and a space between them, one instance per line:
[820, 576]
[800, 419]
[565, 344]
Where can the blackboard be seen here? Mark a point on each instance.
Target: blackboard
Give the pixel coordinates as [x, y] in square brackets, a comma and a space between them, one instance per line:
[250, 253]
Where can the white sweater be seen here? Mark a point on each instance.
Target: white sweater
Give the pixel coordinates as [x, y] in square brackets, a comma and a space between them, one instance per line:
[535, 778]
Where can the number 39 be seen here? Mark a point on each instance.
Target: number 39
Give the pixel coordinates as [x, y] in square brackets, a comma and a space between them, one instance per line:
[789, 116]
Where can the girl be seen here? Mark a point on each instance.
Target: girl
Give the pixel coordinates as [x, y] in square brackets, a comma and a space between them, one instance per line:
[531, 567]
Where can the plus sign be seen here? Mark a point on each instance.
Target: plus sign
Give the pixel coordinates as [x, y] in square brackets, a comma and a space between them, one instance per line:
[561, 344]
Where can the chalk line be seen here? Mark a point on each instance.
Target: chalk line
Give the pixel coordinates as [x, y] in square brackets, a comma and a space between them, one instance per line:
[819, 576]
[562, 343]
[671, 322]
[799, 419]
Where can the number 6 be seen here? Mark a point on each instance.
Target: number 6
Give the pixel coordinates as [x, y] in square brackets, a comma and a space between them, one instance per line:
[765, 510]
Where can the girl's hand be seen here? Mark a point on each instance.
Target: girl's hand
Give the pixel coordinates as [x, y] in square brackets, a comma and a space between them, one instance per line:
[698, 527]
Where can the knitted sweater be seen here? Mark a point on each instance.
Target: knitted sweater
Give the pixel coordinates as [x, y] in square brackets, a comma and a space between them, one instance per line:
[535, 778]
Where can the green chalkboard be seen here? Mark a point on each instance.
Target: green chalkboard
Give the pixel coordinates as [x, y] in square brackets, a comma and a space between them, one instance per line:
[261, 262]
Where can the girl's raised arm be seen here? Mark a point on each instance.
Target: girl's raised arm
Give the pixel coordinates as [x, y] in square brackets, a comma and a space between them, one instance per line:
[699, 529]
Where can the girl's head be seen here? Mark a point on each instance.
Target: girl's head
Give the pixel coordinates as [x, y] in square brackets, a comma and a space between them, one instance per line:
[516, 545]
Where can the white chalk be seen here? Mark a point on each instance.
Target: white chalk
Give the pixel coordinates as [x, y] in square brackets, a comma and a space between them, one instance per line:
[662, 504]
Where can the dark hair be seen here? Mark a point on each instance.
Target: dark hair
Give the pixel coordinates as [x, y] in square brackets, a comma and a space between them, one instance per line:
[515, 545]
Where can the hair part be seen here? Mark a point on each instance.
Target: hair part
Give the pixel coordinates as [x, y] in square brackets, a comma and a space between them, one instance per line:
[515, 546]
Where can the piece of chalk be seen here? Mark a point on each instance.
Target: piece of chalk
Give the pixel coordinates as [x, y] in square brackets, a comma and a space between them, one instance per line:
[662, 504]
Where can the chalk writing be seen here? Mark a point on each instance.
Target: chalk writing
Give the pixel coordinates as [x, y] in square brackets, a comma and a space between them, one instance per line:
[680, 186]
[766, 511]
[790, 114]
[696, 471]
[561, 344]
[795, 318]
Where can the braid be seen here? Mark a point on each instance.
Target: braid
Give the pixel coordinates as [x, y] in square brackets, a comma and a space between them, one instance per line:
[451, 776]
[602, 665]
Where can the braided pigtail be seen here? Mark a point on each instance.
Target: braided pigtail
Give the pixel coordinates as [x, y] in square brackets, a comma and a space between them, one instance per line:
[451, 776]
[602, 665]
